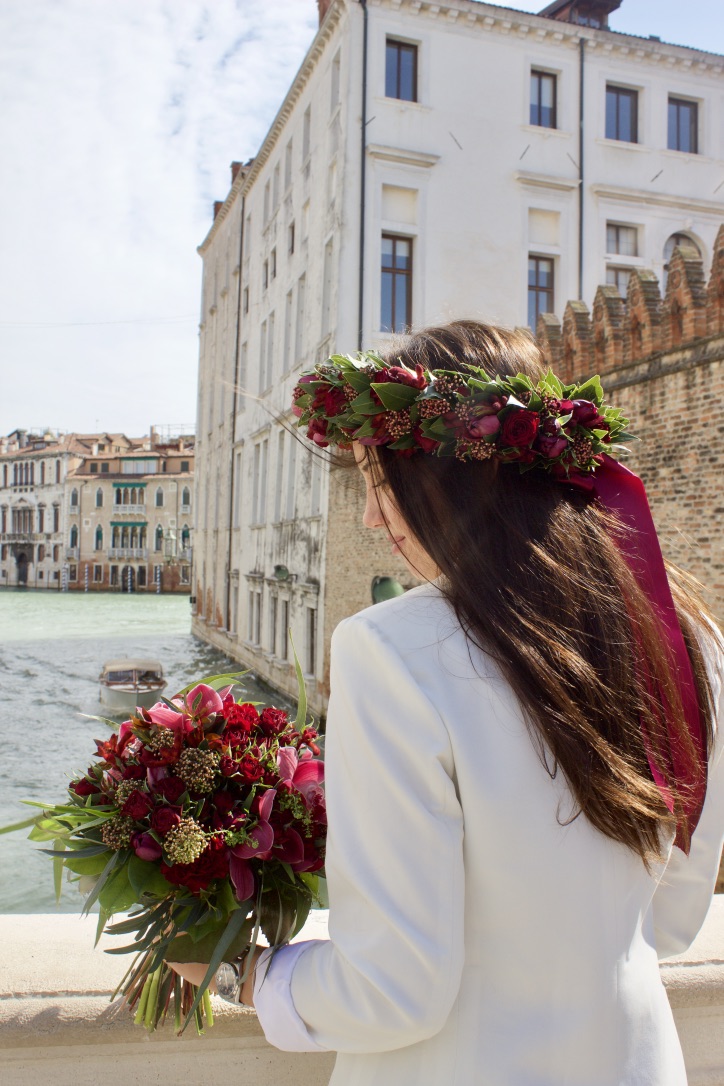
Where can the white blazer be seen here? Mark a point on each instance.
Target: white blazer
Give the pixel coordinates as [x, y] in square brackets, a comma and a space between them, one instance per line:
[474, 940]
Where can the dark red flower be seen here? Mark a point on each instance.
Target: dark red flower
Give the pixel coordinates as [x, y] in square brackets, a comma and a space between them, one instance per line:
[224, 801]
[427, 444]
[164, 819]
[250, 768]
[317, 432]
[146, 847]
[137, 805]
[211, 864]
[584, 412]
[134, 773]
[242, 718]
[84, 787]
[273, 721]
[519, 427]
[399, 376]
[335, 401]
[171, 788]
[550, 445]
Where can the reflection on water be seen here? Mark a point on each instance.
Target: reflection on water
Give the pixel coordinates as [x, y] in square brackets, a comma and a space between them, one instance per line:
[52, 647]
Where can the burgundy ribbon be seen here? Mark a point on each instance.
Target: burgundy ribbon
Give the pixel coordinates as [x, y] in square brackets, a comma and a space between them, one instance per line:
[623, 493]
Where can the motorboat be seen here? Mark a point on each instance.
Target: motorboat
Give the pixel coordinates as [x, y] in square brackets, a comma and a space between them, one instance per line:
[131, 682]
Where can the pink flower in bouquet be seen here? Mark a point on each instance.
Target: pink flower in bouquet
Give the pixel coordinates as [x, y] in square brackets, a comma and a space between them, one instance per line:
[299, 771]
[203, 702]
[145, 846]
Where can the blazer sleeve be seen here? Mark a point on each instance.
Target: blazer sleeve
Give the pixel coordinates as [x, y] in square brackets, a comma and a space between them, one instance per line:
[685, 890]
[390, 972]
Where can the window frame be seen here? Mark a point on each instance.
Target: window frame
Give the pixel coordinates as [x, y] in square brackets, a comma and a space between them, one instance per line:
[407, 274]
[623, 92]
[689, 103]
[538, 290]
[399, 46]
[540, 74]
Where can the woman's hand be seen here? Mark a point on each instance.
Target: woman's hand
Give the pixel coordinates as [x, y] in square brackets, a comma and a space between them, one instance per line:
[194, 972]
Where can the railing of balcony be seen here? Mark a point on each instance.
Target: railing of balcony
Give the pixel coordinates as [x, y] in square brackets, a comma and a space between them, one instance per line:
[71, 552]
[135, 509]
[128, 552]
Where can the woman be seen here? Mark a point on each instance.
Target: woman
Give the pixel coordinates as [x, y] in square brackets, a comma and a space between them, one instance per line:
[512, 748]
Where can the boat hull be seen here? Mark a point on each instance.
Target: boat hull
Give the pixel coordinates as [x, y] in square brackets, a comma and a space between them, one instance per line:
[127, 698]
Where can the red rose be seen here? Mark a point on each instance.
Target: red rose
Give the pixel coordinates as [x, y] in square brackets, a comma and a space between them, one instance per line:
[243, 717]
[250, 768]
[550, 445]
[84, 787]
[335, 401]
[164, 819]
[137, 805]
[584, 412]
[134, 773]
[427, 444]
[171, 788]
[519, 427]
[211, 864]
[273, 721]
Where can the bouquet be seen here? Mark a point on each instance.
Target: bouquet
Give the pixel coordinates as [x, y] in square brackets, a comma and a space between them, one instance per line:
[205, 816]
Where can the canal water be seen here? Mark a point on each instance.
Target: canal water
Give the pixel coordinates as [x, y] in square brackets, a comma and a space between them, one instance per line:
[52, 647]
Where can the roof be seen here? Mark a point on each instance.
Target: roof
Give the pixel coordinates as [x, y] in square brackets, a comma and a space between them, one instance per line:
[133, 663]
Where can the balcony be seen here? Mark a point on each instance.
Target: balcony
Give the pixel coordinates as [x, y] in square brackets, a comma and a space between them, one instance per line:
[128, 552]
[72, 553]
[185, 509]
[22, 537]
[134, 509]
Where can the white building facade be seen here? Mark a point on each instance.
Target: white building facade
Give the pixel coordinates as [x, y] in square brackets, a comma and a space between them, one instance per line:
[430, 161]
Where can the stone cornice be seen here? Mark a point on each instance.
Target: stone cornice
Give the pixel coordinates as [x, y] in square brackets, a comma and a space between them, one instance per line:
[546, 181]
[660, 199]
[473, 14]
[246, 178]
[402, 156]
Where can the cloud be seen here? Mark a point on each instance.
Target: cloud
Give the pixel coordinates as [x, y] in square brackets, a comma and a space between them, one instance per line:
[119, 124]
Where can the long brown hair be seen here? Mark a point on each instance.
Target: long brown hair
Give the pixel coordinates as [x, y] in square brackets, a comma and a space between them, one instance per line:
[537, 581]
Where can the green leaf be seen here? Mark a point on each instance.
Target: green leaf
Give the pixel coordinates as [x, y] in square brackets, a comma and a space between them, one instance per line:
[365, 430]
[117, 894]
[145, 877]
[19, 825]
[395, 397]
[213, 681]
[591, 390]
[58, 870]
[185, 949]
[105, 875]
[112, 724]
[359, 381]
[76, 853]
[232, 930]
[103, 918]
[301, 719]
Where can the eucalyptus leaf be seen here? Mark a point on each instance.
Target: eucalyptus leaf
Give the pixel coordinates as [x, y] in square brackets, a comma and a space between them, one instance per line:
[58, 869]
[301, 718]
[18, 825]
[233, 927]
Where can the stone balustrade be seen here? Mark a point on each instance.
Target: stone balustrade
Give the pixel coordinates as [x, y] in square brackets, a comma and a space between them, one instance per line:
[58, 1028]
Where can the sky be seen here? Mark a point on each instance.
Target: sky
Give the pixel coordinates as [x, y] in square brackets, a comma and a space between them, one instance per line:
[119, 121]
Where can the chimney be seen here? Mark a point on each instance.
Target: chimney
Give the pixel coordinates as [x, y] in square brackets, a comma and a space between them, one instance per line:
[324, 6]
[218, 204]
[235, 167]
[592, 13]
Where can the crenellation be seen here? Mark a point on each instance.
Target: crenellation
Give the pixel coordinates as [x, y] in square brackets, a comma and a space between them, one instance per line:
[642, 326]
[684, 308]
[608, 320]
[577, 341]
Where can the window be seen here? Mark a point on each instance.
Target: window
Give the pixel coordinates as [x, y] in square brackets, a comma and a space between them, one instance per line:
[72, 573]
[74, 536]
[683, 126]
[246, 299]
[56, 553]
[186, 497]
[284, 647]
[94, 469]
[251, 616]
[57, 471]
[307, 133]
[184, 465]
[185, 575]
[401, 70]
[99, 538]
[105, 468]
[257, 618]
[290, 238]
[273, 264]
[74, 499]
[141, 576]
[267, 202]
[622, 107]
[41, 518]
[262, 357]
[158, 539]
[97, 574]
[159, 497]
[396, 315]
[261, 457]
[623, 240]
[42, 475]
[265, 274]
[540, 288]
[618, 277]
[41, 552]
[273, 612]
[327, 289]
[276, 195]
[291, 482]
[673, 242]
[279, 481]
[270, 352]
[99, 498]
[334, 96]
[288, 156]
[311, 640]
[543, 99]
[114, 576]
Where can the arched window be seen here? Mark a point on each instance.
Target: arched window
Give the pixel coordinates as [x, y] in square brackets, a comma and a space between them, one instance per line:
[119, 496]
[142, 495]
[158, 545]
[99, 538]
[42, 473]
[15, 474]
[142, 537]
[132, 496]
[125, 495]
[124, 537]
[41, 518]
[672, 243]
[185, 537]
[32, 474]
[56, 553]
[74, 536]
[99, 498]
[159, 498]
[57, 471]
[74, 498]
[186, 496]
[56, 518]
[5, 475]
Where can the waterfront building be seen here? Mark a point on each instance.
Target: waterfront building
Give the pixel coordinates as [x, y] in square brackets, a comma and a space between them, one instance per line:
[428, 161]
[95, 512]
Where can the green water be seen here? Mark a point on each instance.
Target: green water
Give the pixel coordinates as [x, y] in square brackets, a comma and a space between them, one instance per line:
[52, 648]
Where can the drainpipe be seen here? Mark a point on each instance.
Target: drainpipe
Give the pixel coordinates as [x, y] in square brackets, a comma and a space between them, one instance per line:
[582, 56]
[237, 348]
[363, 178]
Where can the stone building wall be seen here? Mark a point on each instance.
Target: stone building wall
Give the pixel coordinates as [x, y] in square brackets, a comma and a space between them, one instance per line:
[661, 360]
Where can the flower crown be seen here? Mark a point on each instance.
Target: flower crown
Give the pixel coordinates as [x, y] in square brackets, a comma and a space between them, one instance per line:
[545, 423]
